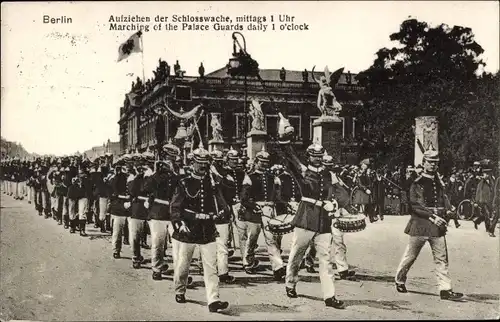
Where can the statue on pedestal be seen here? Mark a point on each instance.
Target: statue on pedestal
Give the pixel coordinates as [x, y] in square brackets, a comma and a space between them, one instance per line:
[327, 103]
[257, 117]
[216, 128]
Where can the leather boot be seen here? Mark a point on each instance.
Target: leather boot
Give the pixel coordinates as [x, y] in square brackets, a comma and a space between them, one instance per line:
[73, 226]
[102, 224]
[66, 221]
[108, 223]
[82, 228]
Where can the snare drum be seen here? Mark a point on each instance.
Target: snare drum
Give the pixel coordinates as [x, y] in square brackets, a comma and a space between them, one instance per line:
[280, 225]
[351, 223]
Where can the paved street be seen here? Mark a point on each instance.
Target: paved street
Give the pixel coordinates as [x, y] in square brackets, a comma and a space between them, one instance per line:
[48, 274]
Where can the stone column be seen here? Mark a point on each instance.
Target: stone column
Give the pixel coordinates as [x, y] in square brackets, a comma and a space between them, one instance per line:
[327, 131]
[255, 141]
[426, 136]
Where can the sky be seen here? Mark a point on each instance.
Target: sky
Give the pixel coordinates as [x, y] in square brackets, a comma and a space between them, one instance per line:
[62, 88]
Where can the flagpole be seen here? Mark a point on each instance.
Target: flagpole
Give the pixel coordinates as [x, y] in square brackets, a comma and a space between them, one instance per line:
[142, 57]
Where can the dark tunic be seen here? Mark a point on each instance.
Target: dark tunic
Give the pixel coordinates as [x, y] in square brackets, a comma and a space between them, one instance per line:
[136, 189]
[192, 196]
[257, 187]
[426, 192]
[161, 185]
[316, 187]
[118, 187]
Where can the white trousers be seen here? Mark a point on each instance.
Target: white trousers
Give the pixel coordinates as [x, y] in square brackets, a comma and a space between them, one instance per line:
[103, 207]
[159, 230]
[300, 242]
[339, 250]
[272, 247]
[439, 252]
[209, 258]
[116, 238]
[222, 249]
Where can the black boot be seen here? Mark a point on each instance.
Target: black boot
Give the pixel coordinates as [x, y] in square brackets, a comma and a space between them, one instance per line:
[450, 295]
[108, 223]
[66, 221]
[217, 306]
[82, 228]
[333, 302]
[73, 226]
[102, 224]
[279, 274]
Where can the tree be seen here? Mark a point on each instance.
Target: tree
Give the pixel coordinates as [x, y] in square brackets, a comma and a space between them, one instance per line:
[432, 71]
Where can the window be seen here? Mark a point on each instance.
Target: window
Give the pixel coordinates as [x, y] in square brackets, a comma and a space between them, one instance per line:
[240, 126]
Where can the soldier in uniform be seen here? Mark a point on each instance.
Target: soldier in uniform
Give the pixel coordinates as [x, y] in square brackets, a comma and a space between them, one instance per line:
[102, 191]
[117, 209]
[232, 196]
[260, 189]
[138, 213]
[226, 185]
[196, 203]
[159, 188]
[312, 221]
[429, 205]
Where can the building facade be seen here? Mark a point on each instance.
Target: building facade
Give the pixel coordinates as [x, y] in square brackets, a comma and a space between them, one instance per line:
[108, 147]
[229, 98]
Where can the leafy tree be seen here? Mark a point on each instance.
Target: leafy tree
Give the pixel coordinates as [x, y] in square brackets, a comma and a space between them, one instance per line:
[431, 71]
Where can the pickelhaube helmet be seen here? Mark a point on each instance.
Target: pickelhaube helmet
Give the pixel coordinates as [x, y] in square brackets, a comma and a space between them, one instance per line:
[315, 150]
[201, 155]
[263, 155]
[171, 149]
[327, 160]
[431, 155]
[217, 155]
[232, 154]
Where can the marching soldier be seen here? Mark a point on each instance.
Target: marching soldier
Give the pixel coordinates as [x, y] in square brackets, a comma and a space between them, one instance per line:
[117, 209]
[429, 205]
[102, 191]
[312, 221]
[194, 207]
[160, 189]
[138, 213]
[259, 193]
[223, 223]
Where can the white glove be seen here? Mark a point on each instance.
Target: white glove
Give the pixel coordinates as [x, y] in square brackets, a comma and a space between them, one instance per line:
[228, 177]
[183, 228]
[146, 204]
[277, 181]
[329, 206]
[368, 191]
[126, 205]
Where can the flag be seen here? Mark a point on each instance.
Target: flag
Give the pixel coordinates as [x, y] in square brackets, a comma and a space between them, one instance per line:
[132, 45]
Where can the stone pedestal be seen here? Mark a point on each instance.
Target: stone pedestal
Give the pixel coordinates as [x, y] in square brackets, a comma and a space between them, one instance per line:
[327, 131]
[426, 136]
[212, 144]
[255, 141]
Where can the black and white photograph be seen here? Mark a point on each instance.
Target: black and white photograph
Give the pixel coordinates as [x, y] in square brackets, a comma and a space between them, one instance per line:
[250, 160]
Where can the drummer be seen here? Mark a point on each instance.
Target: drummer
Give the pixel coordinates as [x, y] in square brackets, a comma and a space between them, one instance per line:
[260, 190]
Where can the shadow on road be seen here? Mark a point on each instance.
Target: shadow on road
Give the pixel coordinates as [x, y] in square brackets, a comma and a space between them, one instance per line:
[384, 305]
[483, 298]
[237, 310]
[375, 278]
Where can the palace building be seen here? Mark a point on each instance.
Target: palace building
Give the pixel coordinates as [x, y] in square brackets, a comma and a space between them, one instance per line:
[226, 96]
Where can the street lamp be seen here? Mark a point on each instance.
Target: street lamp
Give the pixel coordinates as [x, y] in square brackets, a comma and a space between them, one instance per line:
[242, 64]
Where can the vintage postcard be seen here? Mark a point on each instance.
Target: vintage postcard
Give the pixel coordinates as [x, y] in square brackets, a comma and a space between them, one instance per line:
[249, 160]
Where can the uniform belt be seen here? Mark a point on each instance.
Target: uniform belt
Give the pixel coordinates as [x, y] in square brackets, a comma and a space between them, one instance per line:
[203, 216]
[160, 201]
[265, 203]
[315, 202]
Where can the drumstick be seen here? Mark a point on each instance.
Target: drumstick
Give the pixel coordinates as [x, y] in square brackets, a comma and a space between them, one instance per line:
[160, 201]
